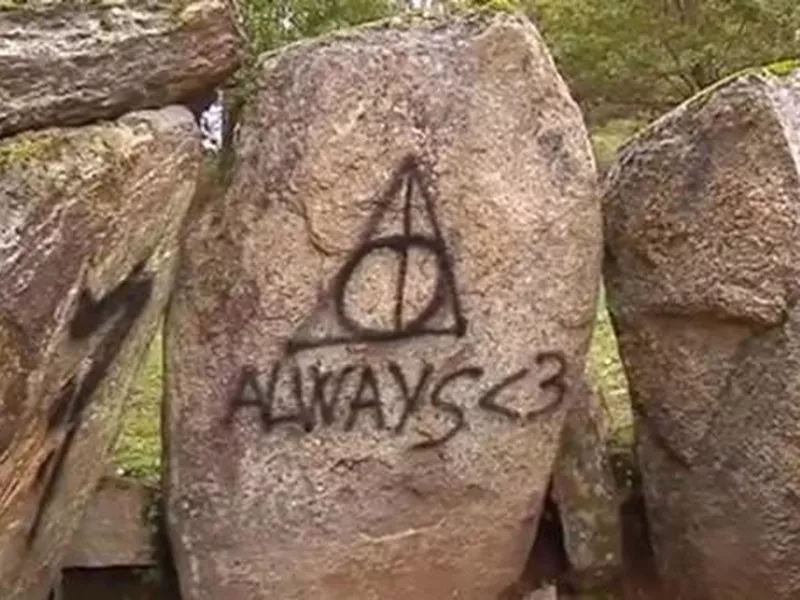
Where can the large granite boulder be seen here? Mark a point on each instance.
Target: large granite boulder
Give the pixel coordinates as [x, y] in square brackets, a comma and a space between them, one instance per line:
[89, 223]
[71, 63]
[376, 330]
[702, 222]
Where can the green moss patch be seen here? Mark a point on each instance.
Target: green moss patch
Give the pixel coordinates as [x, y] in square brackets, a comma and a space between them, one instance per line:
[26, 148]
[783, 68]
[138, 449]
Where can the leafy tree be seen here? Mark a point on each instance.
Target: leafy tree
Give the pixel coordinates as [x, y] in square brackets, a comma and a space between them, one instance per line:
[631, 55]
[271, 23]
[650, 54]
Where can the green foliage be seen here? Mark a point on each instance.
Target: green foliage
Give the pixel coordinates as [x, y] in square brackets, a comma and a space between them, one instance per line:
[605, 369]
[651, 54]
[608, 137]
[783, 67]
[271, 23]
[138, 449]
[26, 148]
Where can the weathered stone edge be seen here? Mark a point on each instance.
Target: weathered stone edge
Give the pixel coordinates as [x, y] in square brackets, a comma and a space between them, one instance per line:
[760, 75]
[148, 522]
[182, 17]
[406, 21]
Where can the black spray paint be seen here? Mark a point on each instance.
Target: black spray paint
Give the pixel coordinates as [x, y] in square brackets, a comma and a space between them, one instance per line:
[125, 303]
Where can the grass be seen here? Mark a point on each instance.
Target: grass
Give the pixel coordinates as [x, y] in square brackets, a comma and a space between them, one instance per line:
[138, 450]
[605, 369]
[609, 136]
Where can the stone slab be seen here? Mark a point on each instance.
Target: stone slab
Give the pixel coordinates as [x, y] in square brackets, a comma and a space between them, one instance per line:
[119, 528]
[71, 63]
[585, 494]
[89, 223]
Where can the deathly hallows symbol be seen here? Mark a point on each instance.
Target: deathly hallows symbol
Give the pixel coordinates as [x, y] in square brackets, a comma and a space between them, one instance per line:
[406, 206]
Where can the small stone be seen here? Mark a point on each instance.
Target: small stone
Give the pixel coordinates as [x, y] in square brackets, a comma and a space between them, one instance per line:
[116, 530]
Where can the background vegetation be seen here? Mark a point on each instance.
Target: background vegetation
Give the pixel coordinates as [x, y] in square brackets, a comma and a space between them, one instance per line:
[624, 56]
[626, 61]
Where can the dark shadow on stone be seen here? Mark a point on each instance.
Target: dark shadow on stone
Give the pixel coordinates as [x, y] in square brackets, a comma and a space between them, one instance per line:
[164, 558]
[547, 562]
[201, 101]
[640, 578]
[159, 582]
[119, 583]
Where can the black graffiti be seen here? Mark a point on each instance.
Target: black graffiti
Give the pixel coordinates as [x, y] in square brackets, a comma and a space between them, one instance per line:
[367, 397]
[488, 400]
[411, 397]
[453, 410]
[325, 402]
[555, 383]
[125, 302]
[441, 316]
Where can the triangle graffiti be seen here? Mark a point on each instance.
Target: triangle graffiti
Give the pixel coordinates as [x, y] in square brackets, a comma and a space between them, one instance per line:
[408, 200]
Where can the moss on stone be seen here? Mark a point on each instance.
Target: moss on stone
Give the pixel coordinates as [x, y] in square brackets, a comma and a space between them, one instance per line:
[8, 5]
[780, 69]
[783, 68]
[26, 148]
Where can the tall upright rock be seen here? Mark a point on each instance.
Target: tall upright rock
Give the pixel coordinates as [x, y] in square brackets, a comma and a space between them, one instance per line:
[702, 229]
[89, 223]
[377, 329]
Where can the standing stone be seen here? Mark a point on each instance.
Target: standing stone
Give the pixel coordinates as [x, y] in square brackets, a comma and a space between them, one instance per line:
[72, 63]
[703, 235]
[89, 220]
[376, 330]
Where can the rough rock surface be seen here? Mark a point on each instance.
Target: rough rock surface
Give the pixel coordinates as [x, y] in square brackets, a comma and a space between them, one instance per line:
[118, 527]
[89, 221]
[548, 593]
[702, 223]
[375, 332]
[72, 63]
[584, 492]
